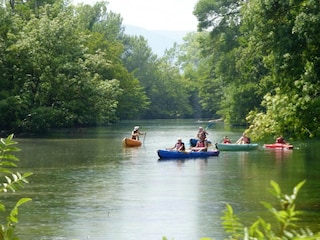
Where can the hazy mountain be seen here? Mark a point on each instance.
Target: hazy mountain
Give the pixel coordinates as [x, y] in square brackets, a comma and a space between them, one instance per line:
[158, 40]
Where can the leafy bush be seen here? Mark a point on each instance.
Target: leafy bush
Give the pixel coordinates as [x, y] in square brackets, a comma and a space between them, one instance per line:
[286, 220]
[12, 182]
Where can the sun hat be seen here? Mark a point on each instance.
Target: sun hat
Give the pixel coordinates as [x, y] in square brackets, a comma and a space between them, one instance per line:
[136, 128]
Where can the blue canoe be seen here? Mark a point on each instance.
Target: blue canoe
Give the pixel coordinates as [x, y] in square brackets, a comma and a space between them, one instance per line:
[167, 154]
[193, 142]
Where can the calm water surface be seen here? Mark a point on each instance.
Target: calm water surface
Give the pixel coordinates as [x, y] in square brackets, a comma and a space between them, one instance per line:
[86, 185]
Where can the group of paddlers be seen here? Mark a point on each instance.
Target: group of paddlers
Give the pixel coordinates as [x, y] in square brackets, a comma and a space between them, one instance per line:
[201, 145]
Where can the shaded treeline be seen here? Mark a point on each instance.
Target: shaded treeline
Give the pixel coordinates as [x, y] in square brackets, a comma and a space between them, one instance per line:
[263, 64]
[252, 62]
[73, 66]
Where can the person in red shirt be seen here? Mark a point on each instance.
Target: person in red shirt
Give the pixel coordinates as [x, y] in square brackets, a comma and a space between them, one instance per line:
[201, 146]
[281, 140]
[243, 140]
[226, 140]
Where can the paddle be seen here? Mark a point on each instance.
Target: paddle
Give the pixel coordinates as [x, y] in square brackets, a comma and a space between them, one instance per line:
[209, 125]
[144, 137]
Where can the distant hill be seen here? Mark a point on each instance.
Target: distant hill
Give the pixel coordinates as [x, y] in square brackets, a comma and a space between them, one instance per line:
[158, 40]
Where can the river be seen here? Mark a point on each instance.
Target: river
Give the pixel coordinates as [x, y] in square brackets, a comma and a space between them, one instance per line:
[86, 185]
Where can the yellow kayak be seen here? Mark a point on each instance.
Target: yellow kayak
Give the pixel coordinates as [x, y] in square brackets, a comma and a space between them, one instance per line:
[131, 142]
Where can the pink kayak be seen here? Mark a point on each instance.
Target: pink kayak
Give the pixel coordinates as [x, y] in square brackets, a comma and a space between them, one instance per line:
[278, 146]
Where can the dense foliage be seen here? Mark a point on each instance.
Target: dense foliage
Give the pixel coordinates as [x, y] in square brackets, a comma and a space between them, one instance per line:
[73, 66]
[51, 75]
[264, 58]
[254, 63]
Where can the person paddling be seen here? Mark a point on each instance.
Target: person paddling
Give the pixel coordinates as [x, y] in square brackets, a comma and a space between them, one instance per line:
[202, 133]
[136, 133]
[226, 140]
[243, 140]
[179, 146]
[281, 140]
[202, 145]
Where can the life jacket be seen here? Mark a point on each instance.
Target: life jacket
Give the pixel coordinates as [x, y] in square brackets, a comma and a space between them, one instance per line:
[201, 144]
[178, 145]
[133, 136]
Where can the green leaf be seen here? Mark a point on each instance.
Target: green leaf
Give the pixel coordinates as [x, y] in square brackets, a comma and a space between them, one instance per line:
[267, 205]
[14, 212]
[2, 207]
[276, 188]
[298, 187]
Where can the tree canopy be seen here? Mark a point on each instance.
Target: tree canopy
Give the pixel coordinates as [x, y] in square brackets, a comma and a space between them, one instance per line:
[264, 58]
[73, 66]
[253, 63]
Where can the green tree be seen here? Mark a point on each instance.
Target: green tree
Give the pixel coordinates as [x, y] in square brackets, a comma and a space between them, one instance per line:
[194, 68]
[264, 58]
[224, 89]
[26, 8]
[161, 80]
[285, 32]
[10, 105]
[61, 85]
[107, 36]
[170, 93]
[63, 68]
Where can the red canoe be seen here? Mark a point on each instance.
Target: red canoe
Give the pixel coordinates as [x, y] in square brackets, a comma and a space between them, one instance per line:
[278, 146]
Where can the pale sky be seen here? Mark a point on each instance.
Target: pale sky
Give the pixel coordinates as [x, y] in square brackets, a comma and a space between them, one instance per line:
[155, 14]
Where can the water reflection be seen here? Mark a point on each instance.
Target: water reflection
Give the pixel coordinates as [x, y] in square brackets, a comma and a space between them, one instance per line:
[89, 186]
[280, 154]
